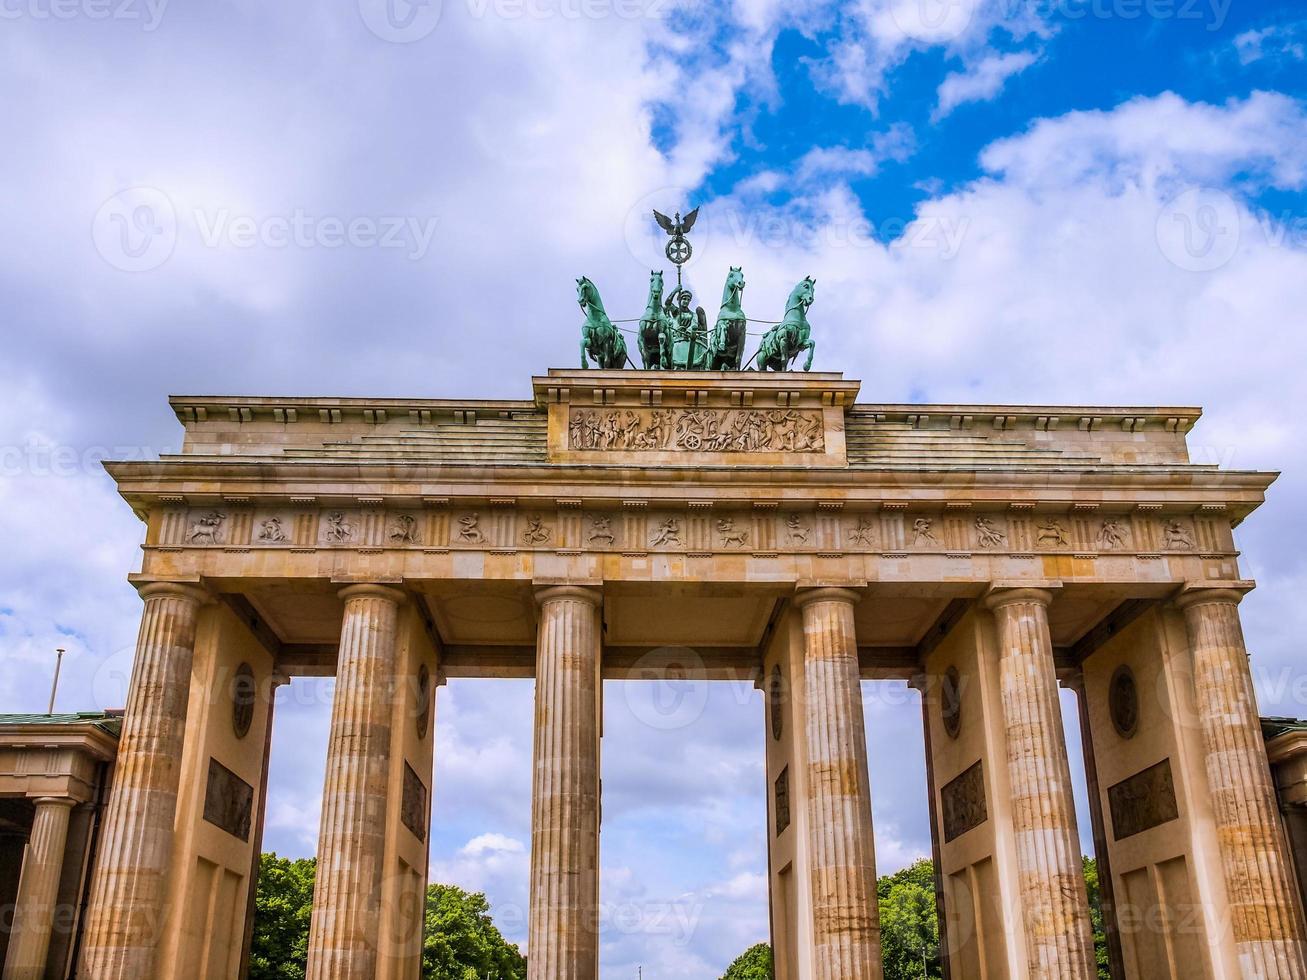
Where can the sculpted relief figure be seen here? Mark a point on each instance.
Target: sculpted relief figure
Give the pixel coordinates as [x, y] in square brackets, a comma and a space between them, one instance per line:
[401, 531]
[798, 530]
[864, 533]
[1177, 535]
[601, 529]
[1052, 532]
[922, 533]
[536, 532]
[1112, 534]
[669, 532]
[338, 529]
[469, 529]
[698, 430]
[990, 535]
[271, 530]
[730, 534]
[207, 529]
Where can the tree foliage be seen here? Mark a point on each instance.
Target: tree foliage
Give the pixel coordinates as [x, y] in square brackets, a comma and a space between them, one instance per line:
[1096, 918]
[909, 930]
[459, 942]
[283, 905]
[909, 927]
[753, 964]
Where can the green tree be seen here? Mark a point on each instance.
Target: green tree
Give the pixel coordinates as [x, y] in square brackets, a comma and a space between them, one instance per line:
[1096, 917]
[460, 942]
[753, 964]
[283, 904]
[909, 929]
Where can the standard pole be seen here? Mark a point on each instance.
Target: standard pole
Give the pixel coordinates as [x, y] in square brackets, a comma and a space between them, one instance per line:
[54, 687]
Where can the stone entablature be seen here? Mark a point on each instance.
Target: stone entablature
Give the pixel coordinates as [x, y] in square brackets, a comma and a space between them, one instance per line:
[539, 429]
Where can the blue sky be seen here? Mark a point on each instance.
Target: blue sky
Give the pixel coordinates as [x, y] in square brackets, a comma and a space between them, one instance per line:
[1059, 202]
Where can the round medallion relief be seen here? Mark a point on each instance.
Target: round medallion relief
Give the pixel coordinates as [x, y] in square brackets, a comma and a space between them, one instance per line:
[1123, 702]
[424, 701]
[243, 691]
[950, 702]
[775, 705]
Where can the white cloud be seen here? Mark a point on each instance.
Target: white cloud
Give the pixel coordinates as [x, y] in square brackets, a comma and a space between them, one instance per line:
[1284, 42]
[981, 81]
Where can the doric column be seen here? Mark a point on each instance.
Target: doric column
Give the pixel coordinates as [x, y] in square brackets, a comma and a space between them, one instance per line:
[38, 890]
[841, 850]
[1054, 903]
[1266, 915]
[125, 914]
[343, 934]
[563, 940]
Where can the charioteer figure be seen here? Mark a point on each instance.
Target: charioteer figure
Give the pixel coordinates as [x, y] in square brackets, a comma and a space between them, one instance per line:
[689, 331]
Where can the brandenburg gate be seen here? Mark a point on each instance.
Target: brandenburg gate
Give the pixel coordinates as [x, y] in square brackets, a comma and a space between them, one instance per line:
[713, 524]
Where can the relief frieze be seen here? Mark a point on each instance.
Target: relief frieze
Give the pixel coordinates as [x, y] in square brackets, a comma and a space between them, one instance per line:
[703, 430]
[693, 527]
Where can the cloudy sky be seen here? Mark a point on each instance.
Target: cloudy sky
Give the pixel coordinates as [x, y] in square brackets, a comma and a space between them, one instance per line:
[1062, 201]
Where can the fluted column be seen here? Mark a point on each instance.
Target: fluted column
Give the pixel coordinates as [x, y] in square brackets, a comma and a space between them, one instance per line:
[563, 931]
[343, 933]
[1054, 903]
[125, 915]
[38, 890]
[841, 848]
[1266, 915]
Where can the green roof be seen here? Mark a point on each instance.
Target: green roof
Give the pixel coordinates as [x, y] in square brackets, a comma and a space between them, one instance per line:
[1271, 727]
[112, 724]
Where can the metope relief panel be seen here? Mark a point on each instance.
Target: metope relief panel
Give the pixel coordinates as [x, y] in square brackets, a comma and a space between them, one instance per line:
[705, 430]
[963, 803]
[228, 801]
[275, 528]
[339, 526]
[1143, 801]
[208, 526]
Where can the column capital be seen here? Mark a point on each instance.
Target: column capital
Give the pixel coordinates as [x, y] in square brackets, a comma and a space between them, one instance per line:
[374, 590]
[193, 591]
[555, 593]
[826, 593]
[999, 596]
[67, 801]
[1225, 593]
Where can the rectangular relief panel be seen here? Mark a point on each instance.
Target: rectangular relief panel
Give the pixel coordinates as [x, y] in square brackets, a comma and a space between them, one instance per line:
[963, 802]
[413, 805]
[782, 801]
[228, 801]
[1143, 801]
